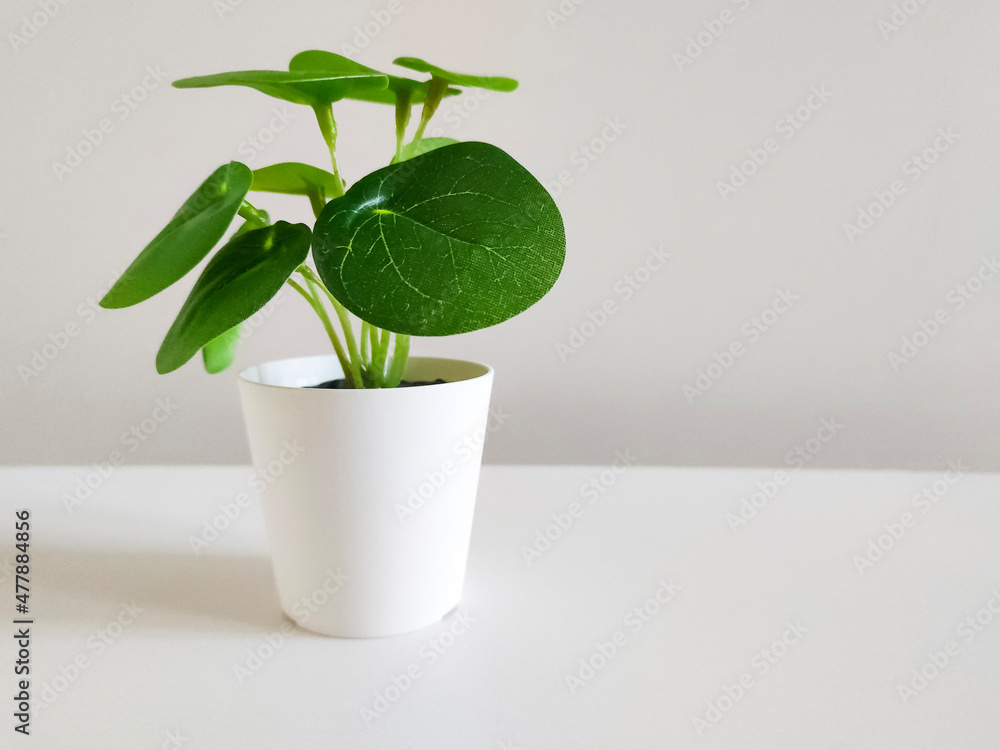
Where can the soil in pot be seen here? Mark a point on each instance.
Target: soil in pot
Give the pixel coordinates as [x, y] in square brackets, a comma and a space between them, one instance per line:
[342, 384]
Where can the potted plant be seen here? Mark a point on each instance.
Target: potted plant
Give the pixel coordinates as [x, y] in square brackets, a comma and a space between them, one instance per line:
[371, 483]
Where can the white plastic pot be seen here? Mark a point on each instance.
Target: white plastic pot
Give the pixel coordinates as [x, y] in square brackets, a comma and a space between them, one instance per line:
[369, 494]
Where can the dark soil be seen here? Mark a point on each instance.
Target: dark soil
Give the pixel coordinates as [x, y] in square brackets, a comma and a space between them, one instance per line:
[342, 384]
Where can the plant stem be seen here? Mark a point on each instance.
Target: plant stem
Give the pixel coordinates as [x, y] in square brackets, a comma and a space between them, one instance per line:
[399, 358]
[381, 352]
[435, 91]
[343, 316]
[317, 201]
[255, 215]
[403, 109]
[366, 331]
[328, 127]
[318, 308]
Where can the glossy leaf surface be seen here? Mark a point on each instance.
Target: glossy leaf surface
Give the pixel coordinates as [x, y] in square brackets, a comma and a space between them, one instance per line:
[294, 178]
[237, 282]
[186, 240]
[314, 88]
[334, 64]
[493, 83]
[218, 353]
[454, 240]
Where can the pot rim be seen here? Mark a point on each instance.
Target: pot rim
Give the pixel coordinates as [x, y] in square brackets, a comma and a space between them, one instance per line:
[250, 377]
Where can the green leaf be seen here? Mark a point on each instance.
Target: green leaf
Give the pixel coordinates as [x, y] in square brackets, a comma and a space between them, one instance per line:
[190, 235]
[299, 87]
[294, 178]
[458, 239]
[426, 144]
[237, 282]
[331, 63]
[493, 83]
[219, 352]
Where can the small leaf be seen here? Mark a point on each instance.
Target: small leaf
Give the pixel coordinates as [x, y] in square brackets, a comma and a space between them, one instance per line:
[237, 282]
[190, 235]
[426, 144]
[493, 83]
[329, 62]
[299, 87]
[294, 178]
[454, 240]
[219, 352]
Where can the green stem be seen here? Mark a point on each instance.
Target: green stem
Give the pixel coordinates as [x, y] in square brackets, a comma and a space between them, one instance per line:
[399, 358]
[345, 321]
[318, 308]
[379, 357]
[328, 127]
[366, 329]
[255, 215]
[403, 109]
[353, 370]
[435, 92]
[317, 201]
[373, 334]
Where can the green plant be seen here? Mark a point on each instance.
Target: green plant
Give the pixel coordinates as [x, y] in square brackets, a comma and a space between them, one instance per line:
[450, 237]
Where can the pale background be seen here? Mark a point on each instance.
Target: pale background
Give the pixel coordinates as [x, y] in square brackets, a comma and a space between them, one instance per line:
[62, 241]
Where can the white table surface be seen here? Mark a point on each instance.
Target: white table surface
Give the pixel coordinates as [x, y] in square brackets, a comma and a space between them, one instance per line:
[166, 679]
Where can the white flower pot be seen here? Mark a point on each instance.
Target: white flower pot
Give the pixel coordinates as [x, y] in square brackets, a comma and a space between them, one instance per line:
[368, 494]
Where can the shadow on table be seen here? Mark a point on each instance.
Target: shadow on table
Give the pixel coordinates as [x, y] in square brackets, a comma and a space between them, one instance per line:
[210, 592]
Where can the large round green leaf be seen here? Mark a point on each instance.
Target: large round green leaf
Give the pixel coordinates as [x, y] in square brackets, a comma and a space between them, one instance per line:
[189, 236]
[299, 87]
[458, 239]
[331, 63]
[237, 282]
[493, 83]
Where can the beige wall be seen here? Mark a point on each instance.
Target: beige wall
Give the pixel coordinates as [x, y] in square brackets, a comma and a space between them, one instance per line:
[635, 127]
